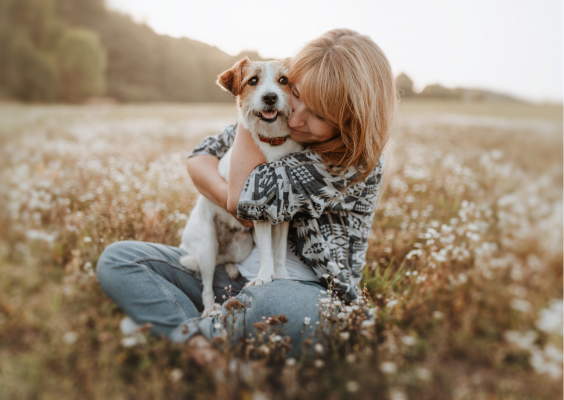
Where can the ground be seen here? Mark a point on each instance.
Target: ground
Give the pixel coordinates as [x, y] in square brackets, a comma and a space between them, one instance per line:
[463, 277]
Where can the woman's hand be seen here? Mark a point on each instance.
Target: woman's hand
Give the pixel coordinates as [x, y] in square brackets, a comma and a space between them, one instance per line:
[245, 157]
[205, 175]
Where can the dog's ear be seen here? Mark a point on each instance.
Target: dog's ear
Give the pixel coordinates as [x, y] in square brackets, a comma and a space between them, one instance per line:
[230, 80]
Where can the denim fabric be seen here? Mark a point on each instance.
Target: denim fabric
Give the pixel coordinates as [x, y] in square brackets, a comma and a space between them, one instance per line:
[147, 282]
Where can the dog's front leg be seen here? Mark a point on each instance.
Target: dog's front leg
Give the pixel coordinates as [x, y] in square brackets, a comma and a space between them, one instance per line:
[280, 244]
[263, 232]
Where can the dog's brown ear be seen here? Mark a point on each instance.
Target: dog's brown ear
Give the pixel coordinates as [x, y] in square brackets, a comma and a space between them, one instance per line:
[230, 80]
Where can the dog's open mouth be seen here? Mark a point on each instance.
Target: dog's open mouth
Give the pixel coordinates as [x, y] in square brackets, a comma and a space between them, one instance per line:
[267, 115]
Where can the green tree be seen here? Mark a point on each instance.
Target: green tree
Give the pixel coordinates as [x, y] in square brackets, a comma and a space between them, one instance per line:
[82, 62]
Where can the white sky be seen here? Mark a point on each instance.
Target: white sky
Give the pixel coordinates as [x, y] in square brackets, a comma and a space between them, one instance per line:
[511, 46]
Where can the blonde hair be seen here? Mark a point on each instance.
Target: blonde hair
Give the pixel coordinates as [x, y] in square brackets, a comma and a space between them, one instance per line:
[346, 79]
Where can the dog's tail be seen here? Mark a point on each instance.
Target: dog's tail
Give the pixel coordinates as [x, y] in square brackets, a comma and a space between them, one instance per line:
[190, 262]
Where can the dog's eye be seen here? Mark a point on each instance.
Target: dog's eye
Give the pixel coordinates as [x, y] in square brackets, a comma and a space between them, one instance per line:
[283, 80]
[253, 81]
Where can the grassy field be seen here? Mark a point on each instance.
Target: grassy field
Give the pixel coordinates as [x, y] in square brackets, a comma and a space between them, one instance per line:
[463, 281]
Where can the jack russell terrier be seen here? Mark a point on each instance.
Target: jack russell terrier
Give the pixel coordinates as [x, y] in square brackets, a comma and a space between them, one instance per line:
[213, 236]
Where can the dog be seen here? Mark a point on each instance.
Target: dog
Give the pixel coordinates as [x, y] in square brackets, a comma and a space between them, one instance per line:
[213, 236]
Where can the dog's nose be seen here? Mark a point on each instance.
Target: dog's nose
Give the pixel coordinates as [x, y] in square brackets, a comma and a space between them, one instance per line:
[270, 98]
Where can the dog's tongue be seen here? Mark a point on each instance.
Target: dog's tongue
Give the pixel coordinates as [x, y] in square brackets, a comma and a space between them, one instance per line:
[269, 114]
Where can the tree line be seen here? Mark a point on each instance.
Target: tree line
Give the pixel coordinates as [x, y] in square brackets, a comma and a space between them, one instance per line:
[70, 50]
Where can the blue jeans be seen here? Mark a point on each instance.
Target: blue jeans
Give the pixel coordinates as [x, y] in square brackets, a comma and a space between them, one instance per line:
[149, 285]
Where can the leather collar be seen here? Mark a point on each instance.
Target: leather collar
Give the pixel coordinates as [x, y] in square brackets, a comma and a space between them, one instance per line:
[276, 141]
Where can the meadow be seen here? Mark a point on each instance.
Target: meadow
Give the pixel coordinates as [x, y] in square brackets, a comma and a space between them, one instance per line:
[463, 282]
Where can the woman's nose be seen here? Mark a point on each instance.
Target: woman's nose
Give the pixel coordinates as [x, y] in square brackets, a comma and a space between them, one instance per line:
[297, 116]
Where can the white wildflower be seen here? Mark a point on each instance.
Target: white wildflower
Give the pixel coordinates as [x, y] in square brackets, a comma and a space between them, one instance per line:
[319, 363]
[521, 305]
[345, 335]
[275, 338]
[319, 348]
[391, 303]
[437, 314]
[307, 320]
[352, 386]
[351, 358]
[408, 340]
[176, 375]
[550, 319]
[388, 367]
[70, 337]
[423, 373]
[290, 362]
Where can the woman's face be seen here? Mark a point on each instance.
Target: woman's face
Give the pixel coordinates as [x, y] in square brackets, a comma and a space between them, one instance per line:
[305, 126]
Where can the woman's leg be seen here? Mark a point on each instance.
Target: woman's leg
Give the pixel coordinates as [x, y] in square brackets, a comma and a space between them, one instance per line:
[296, 300]
[148, 284]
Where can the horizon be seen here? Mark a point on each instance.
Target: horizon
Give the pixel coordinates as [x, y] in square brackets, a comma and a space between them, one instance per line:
[464, 37]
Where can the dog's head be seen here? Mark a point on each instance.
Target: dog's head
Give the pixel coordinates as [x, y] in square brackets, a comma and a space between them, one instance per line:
[263, 94]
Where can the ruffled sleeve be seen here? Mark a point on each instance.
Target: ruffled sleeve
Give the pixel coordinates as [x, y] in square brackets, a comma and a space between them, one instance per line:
[216, 145]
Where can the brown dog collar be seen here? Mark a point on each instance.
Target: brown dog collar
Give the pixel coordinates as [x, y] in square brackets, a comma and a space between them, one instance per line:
[275, 141]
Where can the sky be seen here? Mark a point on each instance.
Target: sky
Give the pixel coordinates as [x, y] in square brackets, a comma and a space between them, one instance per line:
[509, 46]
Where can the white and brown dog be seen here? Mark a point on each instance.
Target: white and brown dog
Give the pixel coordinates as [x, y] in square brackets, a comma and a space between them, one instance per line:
[213, 236]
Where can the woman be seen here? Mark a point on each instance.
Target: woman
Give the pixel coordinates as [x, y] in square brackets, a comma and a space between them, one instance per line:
[343, 104]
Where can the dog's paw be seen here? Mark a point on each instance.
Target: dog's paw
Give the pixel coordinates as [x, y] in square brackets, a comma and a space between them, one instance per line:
[259, 282]
[209, 309]
[232, 271]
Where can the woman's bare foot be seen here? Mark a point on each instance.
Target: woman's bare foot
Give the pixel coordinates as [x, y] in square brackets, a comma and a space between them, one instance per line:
[200, 350]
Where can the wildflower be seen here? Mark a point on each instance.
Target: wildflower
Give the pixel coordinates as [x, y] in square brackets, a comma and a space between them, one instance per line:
[396, 394]
[437, 314]
[217, 326]
[351, 358]
[70, 337]
[408, 340]
[391, 303]
[283, 319]
[319, 348]
[326, 276]
[352, 386]
[388, 367]
[129, 341]
[233, 304]
[215, 313]
[423, 373]
[550, 319]
[290, 362]
[521, 305]
[307, 321]
[273, 321]
[414, 253]
[367, 323]
[319, 363]
[264, 350]
[325, 300]
[176, 374]
[87, 239]
[345, 335]
[348, 309]
[275, 338]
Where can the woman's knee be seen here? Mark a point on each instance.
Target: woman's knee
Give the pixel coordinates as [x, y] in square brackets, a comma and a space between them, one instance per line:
[113, 256]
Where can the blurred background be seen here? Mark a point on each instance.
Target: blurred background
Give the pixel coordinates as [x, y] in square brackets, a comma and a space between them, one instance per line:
[172, 50]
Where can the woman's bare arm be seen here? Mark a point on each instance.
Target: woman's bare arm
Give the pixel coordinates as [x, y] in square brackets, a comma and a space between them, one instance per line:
[245, 157]
[205, 175]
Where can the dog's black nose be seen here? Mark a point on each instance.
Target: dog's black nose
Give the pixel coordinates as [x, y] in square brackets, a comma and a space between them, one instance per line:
[270, 98]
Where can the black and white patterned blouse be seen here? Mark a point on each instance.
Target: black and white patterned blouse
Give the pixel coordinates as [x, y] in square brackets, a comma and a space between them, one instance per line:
[329, 227]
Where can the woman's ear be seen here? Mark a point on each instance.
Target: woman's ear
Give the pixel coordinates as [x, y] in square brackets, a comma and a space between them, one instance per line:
[230, 80]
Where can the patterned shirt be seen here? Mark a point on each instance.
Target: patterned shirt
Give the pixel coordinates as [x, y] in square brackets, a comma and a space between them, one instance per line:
[329, 225]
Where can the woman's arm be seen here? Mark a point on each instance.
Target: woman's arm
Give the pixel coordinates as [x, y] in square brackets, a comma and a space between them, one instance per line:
[205, 175]
[245, 157]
